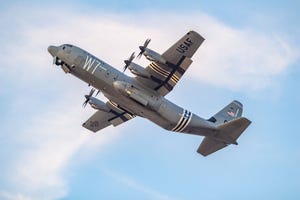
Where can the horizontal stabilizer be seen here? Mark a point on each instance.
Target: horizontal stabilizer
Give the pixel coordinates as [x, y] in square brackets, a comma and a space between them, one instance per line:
[210, 145]
[227, 134]
[232, 130]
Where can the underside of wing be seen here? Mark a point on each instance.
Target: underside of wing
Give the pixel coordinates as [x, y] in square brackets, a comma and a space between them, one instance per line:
[164, 76]
[102, 119]
[228, 133]
[210, 145]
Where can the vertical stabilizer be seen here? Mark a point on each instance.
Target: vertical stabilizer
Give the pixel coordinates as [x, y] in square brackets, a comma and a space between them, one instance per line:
[230, 125]
[228, 113]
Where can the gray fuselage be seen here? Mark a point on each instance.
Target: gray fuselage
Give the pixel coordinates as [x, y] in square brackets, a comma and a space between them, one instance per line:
[129, 94]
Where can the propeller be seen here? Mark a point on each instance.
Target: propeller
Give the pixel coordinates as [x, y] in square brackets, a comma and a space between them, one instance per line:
[97, 92]
[128, 61]
[87, 97]
[143, 48]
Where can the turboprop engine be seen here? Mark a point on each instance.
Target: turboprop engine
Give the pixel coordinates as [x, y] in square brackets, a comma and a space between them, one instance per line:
[135, 68]
[94, 102]
[138, 95]
[150, 54]
[98, 104]
[154, 56]
[138, 70]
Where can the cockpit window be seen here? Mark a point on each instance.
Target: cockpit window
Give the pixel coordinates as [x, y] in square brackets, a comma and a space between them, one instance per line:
[66, 46]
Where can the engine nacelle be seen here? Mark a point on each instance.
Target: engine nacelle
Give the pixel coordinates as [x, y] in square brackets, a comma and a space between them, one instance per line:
[138, 70]
[98, 104]
[138, 94]
[154, 56]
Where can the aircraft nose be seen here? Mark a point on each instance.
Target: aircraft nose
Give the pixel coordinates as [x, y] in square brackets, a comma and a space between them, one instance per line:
[53, 50]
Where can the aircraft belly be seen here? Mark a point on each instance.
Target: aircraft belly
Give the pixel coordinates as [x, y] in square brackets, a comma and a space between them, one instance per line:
[200, 126]
[165, 114]
[138, 109]
[141, 103]
[184, 121]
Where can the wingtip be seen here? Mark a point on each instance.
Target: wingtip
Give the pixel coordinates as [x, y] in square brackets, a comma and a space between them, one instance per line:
[238, 103]
[202, 153]
[247, 120]
[196, 33]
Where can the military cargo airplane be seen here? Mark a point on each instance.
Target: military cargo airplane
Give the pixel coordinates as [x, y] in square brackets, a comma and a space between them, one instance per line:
[144, 94]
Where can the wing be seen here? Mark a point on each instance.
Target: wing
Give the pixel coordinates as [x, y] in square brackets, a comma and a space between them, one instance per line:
[102, 119]
[165, 76]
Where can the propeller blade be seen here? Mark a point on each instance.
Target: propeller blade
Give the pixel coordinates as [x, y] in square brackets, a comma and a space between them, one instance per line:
[85, 102]
[140, 54]
[97, 92]
[87, 97]
[128, 61]
[147, 42]
[143, 48]
[91, 92]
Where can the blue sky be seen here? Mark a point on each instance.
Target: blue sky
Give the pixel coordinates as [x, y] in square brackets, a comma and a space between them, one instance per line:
[251, 53]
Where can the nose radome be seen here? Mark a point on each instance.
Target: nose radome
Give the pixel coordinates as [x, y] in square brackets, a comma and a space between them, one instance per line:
[53, 50]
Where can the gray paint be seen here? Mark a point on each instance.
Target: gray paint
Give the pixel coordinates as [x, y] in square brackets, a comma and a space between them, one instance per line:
[144, 95]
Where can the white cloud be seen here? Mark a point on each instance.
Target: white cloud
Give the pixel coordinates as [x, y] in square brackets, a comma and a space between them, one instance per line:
[241, 58]
[51, 141]
[131, 183]
[12, 196]
[230, 57]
